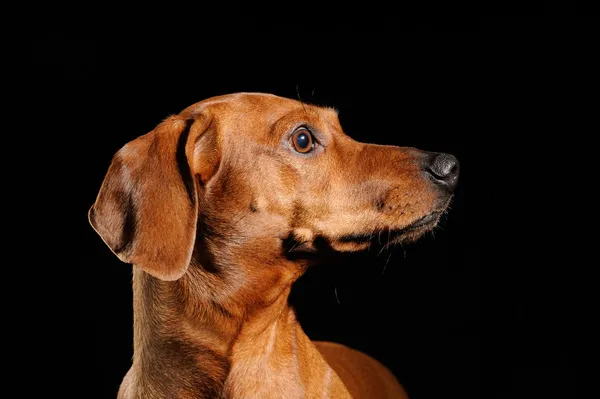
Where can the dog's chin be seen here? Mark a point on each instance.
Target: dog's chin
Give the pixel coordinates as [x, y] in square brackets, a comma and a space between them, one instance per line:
[387, 237]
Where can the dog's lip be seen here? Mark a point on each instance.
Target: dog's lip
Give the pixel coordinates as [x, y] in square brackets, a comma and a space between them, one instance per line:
[423, 222]
[299, 249]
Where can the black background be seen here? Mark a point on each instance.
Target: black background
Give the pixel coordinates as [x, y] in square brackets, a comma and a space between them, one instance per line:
[476, 310]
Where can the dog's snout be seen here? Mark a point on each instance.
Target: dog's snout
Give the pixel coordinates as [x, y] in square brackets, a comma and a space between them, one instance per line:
[444, 169]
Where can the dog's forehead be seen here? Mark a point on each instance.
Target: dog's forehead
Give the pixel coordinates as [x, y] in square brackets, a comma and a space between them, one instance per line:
[263, 109]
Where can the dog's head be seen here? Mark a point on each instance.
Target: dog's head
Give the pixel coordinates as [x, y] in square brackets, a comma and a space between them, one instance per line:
[262, 183]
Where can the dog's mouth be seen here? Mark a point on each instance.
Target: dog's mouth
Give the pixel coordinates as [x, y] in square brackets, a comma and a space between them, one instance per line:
[388, 236]
[295, 247]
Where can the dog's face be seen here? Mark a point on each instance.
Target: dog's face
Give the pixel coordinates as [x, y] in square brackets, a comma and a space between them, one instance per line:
[257, 181]
[293, 174]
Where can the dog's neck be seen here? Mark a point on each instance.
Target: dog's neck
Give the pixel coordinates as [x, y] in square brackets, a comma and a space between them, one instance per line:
[196, 343]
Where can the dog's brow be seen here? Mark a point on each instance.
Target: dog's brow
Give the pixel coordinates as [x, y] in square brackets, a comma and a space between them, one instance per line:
[309, 115]
[287, 119]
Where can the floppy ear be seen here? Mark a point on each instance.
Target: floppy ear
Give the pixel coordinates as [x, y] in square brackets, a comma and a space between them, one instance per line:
[147, 207]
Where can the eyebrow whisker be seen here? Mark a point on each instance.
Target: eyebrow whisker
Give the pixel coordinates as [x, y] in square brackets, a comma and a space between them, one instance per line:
[300, 98]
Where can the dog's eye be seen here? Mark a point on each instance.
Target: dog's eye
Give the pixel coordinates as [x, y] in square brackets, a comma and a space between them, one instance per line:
[302, 140]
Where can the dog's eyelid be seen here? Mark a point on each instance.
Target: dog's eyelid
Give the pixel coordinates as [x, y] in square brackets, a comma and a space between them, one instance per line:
[302, 127]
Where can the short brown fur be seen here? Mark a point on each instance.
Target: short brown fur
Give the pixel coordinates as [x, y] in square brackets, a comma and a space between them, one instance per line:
[220, 215]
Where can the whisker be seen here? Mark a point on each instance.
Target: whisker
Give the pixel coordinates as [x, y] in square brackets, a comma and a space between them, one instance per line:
[299, 98]
[295, 245]
[382, 249]
[243, 215]
[386, 262]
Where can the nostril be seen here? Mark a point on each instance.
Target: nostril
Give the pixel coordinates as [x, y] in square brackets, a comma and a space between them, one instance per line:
[454, 168]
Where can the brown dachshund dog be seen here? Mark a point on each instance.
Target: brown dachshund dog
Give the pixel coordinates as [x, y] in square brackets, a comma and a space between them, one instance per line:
[220, 209]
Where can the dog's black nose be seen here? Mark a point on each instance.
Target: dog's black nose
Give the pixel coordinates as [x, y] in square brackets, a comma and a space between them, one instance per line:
[444, 169]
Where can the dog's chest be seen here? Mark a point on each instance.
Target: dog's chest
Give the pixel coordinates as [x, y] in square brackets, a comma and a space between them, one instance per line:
[264, 379]
[265, 368]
